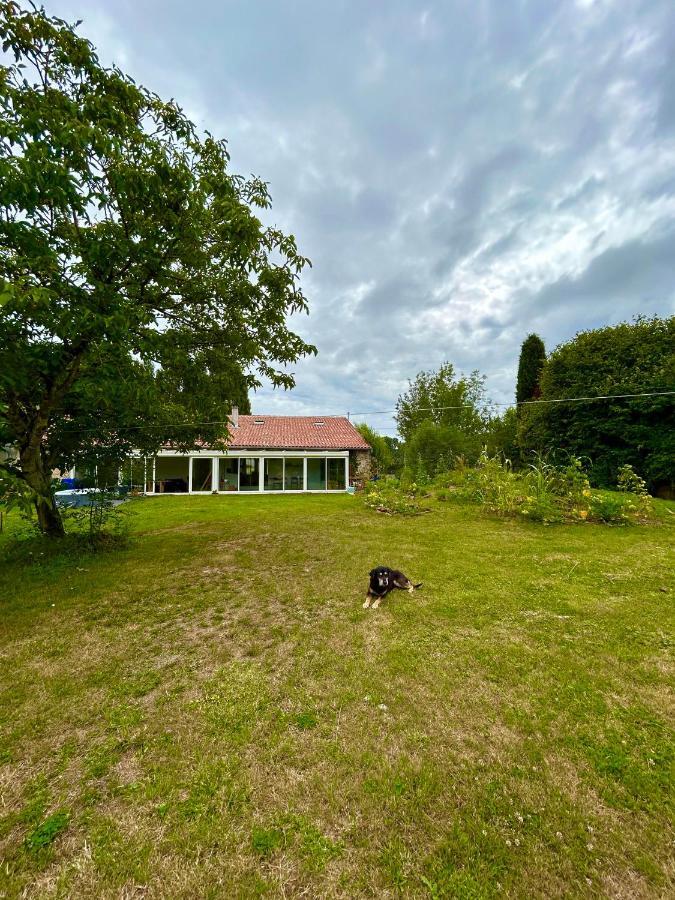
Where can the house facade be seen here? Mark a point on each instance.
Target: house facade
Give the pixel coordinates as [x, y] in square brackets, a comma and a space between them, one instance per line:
[265, 454]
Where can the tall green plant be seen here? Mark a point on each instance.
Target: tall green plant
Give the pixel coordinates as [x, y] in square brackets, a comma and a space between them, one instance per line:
[382, 456]
[530, 367]
[444, 399]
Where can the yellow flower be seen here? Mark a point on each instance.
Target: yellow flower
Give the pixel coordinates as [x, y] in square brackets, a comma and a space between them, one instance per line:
[586, 493]
[583, 513]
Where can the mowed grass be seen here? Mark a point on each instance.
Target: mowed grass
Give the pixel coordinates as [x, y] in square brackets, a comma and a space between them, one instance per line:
[211, 713]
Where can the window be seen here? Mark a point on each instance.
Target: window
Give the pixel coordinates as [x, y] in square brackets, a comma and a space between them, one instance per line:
[249, 474]
[228, 474]
[336, 474]
[293, 480]
[274, 474]
[316, 474]
[171, 474]
[202, 474]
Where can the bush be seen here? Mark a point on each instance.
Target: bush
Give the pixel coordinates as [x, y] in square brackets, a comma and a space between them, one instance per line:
[390, 496]
[629, 358]
[609, 508]
[494, 485]
[546, 492]
[629, 482]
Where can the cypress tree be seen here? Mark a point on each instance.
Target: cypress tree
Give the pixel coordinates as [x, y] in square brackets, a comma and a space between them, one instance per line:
[530, 365]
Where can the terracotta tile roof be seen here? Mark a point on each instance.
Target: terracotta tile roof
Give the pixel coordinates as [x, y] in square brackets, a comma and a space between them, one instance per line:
[296, 433]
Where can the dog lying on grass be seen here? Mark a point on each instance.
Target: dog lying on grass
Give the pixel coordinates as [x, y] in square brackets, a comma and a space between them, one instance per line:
[383, 580]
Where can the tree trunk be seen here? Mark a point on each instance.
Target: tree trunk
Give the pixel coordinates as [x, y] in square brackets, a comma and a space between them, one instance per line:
[49, 517]
[39, 479]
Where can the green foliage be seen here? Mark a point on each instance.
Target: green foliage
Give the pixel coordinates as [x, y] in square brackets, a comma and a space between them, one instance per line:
[47, 831]
[382, 457]
[439, 397]
[264, 841]
[502, 436]
[442, 417]
[141, 294]
[629, 481]
[437, 445]
[305, 720]
[629, 358]
[611, 508]
[545, 492]
[530, 366]
[392, 496]
[396, 449]
[103, 520]
[14, 492]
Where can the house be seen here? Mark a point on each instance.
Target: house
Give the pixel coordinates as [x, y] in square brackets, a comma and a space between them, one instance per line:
[265, 454]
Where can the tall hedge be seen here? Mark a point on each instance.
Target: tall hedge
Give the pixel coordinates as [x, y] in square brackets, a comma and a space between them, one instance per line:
[630, 358]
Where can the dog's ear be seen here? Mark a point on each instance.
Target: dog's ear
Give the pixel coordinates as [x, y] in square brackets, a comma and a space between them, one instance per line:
[372, 572]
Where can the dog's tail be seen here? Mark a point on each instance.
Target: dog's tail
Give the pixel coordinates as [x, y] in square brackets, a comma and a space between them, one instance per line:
[418, 585]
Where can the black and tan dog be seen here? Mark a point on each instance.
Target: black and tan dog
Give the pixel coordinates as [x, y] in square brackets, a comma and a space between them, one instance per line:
[383, 580]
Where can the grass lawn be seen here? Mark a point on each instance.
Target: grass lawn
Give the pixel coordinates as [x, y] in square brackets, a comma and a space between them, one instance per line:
[211, 713]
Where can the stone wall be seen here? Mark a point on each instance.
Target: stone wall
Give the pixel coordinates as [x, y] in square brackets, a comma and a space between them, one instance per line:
[360, 465]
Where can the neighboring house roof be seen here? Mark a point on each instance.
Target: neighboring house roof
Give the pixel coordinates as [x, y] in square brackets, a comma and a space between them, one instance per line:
[295, 433]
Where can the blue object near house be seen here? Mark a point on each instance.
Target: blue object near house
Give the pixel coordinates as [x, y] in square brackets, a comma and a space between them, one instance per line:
[74, 497]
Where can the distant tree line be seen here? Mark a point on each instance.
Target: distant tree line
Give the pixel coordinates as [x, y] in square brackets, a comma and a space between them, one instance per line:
[444, 419]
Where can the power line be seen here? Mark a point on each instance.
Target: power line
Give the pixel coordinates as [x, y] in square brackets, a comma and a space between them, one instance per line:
[383, 412]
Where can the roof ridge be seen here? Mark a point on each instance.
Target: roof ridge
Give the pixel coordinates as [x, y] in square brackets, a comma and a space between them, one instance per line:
[285, 416]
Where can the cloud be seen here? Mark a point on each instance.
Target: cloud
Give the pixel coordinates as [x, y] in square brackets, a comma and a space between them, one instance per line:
[460, 174]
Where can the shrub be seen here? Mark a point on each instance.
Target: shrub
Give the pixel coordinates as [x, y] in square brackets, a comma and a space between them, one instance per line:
[629, 482]
[390, 496]
[613, 509]
[494, 484]
[546, 492]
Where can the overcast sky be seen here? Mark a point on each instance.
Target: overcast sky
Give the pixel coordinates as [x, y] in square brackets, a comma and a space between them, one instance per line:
[460, 173]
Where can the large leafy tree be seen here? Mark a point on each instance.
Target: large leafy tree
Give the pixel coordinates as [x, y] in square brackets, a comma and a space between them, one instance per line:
[530, 367]
[442, 398]
[442, 416]
[141, 294]
[630, 358]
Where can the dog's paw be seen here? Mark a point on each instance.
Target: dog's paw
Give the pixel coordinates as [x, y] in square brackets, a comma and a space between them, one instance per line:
[366, 603]
[376, 603]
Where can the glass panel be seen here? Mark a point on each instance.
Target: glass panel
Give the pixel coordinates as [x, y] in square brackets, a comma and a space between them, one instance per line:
[336, 475]
[249, 479]
[228, 474]
[171, 474]
[202, 473]
[316, 474]
[293, 478]
[274, 474]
